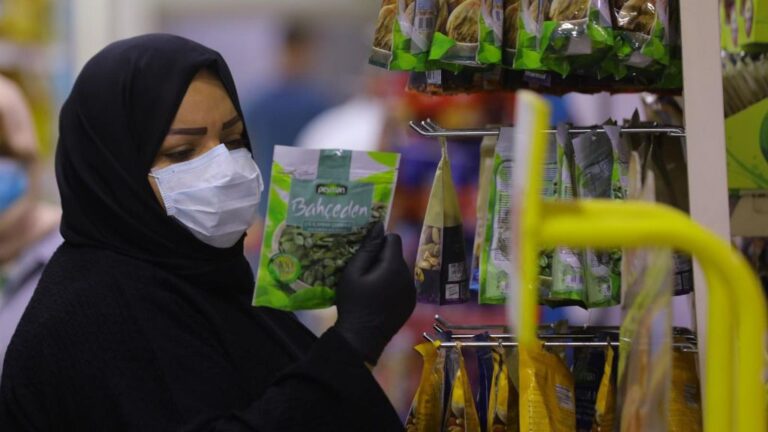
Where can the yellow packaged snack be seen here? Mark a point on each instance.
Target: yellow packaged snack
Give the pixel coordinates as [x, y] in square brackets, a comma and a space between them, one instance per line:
[426, 412]
[503, 409]
[605, 408]
[461, 414]
[546, 392]
[685, 395]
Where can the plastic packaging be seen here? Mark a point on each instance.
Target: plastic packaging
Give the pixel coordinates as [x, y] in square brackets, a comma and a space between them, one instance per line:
[426, 413]
[487, 151]
[461, 414]
[441, 267]
[322, 203]
[546, 392]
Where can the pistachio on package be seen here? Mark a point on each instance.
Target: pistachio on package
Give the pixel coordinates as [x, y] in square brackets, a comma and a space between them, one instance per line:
[568, 10]
[429, 253]
[462, 24]
[637, 15]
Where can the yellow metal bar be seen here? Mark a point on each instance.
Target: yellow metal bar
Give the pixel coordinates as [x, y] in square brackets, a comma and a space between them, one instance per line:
[532, 118]
[732, 285]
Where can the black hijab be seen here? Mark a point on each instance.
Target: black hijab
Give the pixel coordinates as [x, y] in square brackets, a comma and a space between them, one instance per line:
[111, 127]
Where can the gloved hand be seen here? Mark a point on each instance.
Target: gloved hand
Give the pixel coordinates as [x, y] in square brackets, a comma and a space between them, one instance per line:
[376, 294]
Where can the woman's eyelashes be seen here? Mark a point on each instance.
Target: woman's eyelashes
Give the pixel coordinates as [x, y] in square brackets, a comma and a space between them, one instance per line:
[179, 154]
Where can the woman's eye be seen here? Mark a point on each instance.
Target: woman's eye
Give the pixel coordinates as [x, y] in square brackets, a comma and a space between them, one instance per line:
[179, 155]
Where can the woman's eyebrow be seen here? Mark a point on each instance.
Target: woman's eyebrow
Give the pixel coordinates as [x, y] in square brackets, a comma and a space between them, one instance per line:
[201, 131]
[231, 122]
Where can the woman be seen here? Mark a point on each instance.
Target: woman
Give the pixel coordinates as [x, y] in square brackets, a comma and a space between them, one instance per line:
[142, 321]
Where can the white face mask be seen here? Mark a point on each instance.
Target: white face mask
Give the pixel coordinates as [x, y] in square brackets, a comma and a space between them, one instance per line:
[215, 195]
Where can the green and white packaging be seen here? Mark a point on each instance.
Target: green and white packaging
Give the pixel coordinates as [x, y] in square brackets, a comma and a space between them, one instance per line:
[595, 168]
[403, 34]
[322, 203]
[568, 284]
[468, 32]
[494, 260]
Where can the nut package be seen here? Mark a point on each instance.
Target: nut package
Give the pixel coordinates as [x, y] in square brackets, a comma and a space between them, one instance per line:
[440, 273]
[460, 412]
[322, 203]
[403, 34]
[426, 413]
[468, 32]
[546, 390]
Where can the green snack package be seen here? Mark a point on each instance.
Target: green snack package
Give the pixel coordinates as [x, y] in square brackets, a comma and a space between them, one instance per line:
[511, 20]
[441, 265]
[487, 151]
[593, 154]
[576, 37]
[322, 203]
[643, 42]
[549, 192]
[403, 34]
[457, 31]
[494, 260]
[491, 27]
[568, 285]
[533, 13]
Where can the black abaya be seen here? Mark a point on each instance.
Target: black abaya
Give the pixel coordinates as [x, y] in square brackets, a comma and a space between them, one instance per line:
[138, 326]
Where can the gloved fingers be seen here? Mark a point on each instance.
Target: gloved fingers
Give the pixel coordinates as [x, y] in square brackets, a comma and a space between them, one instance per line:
[369, 251]
[390, 255]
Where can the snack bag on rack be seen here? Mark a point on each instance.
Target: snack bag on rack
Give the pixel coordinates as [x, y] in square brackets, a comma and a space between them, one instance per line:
[441, 265]
[568, 285]
[605, 406]
[494, 261]
[511, 21]
[576, 37]
[685, 394]
[643, 39]
[468, 32]
[403, 34]
[546, 392]
[426, 413]
[645, 355]
[533, 13]
[485, 365]
[322, 203]
[549, 192]
[461, 414]
[487, 151]
[503, 406]
[593, 154]
[665, 156]
[587, 374]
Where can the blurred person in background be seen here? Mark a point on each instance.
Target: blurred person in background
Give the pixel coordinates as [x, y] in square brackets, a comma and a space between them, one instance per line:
[277, 116]
[142, 320]
[29, 232]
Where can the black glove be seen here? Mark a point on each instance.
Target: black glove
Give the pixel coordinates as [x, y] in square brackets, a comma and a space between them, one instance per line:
[376, 294]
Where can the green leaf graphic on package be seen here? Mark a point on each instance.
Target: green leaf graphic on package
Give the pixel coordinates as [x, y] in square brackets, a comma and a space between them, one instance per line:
[322, 203]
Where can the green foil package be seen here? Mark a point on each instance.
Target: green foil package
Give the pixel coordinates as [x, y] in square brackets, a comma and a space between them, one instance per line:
[322, 203]
[598, 176]
[468, 32]
[568, 285]
[576, 37]
[403, 34]
[494, 259]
